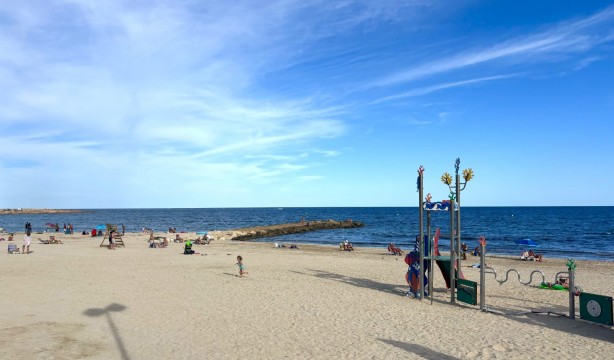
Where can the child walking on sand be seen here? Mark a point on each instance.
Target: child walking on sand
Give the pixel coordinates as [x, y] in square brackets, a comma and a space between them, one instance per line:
[27, 239]
[241, 266]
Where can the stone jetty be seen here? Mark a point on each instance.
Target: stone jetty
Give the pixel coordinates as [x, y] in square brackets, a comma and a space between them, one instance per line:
[255, 232]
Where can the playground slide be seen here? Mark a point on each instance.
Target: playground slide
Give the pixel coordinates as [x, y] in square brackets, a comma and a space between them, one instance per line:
[444, 266]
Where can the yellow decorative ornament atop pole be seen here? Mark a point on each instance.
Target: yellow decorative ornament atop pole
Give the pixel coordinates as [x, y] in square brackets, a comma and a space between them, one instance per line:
[467, 174]
[446, 179]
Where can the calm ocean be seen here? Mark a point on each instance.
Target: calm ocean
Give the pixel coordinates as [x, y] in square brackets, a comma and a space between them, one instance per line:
[562, 232]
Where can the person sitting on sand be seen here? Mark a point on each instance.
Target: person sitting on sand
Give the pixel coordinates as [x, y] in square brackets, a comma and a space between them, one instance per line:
[536, 257]
[347, 246]
[178, 238]
[476, 251]
[202, 240]
[10, 237]
[188, 248]
[394, 250]
[164, 242]
[53, 240]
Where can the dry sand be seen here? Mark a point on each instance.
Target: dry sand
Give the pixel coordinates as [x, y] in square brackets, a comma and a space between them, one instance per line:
[77, 300]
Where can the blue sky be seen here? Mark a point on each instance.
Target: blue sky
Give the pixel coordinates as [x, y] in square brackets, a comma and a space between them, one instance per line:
[138, 104]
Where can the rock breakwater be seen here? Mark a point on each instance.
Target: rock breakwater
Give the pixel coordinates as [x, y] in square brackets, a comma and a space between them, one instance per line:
[255, 232]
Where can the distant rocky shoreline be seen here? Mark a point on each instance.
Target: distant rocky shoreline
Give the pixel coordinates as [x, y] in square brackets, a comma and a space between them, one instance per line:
[37, 211]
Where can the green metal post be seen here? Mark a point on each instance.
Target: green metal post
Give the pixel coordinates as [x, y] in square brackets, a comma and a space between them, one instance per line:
[572, 293]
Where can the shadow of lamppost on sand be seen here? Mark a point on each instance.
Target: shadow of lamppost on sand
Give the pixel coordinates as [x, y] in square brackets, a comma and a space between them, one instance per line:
[419, 350]
[95, 312]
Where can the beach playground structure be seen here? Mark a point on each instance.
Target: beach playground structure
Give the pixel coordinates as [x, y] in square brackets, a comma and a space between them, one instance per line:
[593, 307]
[426, 252]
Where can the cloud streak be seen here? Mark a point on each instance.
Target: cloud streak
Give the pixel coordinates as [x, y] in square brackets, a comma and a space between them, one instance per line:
[568, 37]
[433, 88]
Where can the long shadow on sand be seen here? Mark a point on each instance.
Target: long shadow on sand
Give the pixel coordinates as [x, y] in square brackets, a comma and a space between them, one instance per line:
[561, 323]
[367, 283]
[95, 312]
[363, 283]
[419, 350]
[549, 315]
[558, 323]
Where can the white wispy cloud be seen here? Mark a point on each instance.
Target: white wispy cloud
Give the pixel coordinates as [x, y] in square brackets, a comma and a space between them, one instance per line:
[429, 89]
[567, 37]
[165, 85]
[328, 153]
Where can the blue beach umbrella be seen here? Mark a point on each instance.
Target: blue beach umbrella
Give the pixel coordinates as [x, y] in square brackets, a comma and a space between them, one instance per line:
[201, 233]
[100, 227]
[526, 242]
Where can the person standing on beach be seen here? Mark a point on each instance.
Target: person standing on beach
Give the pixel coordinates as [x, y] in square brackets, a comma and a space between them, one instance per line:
[27, 239]
[111, 243]
[123, 229]
[241, 266]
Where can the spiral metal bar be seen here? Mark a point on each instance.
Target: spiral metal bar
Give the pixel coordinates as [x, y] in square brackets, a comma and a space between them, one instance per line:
[501, 282]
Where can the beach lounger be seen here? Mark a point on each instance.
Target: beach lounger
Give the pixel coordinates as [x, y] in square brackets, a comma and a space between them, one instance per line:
[13, 249]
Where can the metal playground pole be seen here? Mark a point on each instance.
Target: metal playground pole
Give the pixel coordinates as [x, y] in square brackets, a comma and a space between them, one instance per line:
[482, 272]
[421, 239]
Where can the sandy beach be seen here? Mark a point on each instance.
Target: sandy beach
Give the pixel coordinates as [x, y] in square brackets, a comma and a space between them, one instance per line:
[77, 300]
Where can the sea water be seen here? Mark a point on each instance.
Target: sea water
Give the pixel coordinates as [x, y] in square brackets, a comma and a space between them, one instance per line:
[561, 232]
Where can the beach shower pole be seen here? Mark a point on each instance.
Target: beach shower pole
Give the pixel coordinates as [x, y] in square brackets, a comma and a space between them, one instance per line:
[421, 219]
